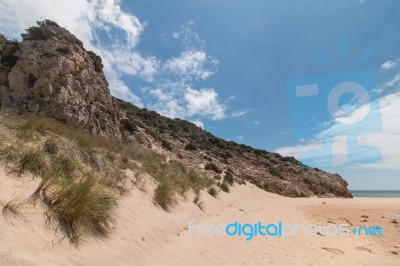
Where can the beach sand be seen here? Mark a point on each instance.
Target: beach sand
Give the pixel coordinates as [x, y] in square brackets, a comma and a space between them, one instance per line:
[147, 235]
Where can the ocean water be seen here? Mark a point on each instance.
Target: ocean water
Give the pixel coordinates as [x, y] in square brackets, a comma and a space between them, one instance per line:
[376, 193]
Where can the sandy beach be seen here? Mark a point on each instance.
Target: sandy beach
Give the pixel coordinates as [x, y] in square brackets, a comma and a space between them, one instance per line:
[145, 234]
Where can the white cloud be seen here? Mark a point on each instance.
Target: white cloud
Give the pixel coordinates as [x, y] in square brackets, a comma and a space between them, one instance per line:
[175, 35]
[389, 64]
[108, 13]
[175, 88]
[189, 103]
[384, 140]
[240, 137]
[204, 102]
[256, 122]
[120, 90]
[129, 63]
[189, 36]
[390, 83]
[191, 64]
[240, 113]
[393, 81]
[198, 123]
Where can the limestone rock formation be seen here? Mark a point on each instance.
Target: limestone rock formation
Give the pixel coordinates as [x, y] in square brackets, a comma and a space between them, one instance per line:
[49, 72]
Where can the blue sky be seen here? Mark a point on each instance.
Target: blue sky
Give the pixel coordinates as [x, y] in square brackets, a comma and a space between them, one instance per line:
[225, 65]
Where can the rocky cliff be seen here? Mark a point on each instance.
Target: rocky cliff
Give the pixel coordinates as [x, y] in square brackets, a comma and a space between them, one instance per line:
[49, 72]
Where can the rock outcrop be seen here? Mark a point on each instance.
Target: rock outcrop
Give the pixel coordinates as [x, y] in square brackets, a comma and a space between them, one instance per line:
[49, 72]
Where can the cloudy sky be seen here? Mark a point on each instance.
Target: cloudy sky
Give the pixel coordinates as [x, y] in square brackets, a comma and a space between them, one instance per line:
[313, 79]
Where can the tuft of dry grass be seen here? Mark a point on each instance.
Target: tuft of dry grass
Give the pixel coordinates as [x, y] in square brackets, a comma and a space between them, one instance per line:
[25, 159]
[213, 192]
[44, 125]
[164, 195]
[176, 178]
[115, 180]
[12, 208]
[224, 187]
[198, 202]
[83, 208]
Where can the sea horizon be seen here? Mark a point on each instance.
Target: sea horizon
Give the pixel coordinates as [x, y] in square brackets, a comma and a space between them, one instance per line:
[376, 193]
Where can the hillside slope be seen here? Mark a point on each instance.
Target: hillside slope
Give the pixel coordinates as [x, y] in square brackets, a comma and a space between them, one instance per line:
[50, 73]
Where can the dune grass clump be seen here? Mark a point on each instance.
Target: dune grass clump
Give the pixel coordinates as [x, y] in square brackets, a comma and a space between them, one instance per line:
[164, 195]
[224, 187]
[43, 125]
[61, 167]
[83, 208]
[198, 202]
[176, 178]
[213, 167]
[213, 192]
[228, 177]
[12, 208]
[116, 181]
[51, 147]
[25, 159]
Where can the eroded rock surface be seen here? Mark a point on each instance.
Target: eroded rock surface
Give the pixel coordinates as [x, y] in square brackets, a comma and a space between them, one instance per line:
[49, 72]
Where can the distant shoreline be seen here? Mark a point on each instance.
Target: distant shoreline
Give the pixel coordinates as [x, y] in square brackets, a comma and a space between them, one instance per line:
[376, 193]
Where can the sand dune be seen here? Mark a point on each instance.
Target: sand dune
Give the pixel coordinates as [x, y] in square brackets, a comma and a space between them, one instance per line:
[147, 235]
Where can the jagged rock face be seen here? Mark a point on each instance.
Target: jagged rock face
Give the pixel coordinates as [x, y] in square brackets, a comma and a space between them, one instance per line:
[54, 75]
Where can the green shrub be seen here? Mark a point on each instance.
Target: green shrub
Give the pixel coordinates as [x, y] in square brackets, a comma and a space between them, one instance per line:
[213, 192]
[207, 158]
[166, 145]
[213, 167]
[128, 126]
[273, 161]
[228, 177]
[7, 50]
[46, 22]
[224, 187]
[191, 147]
[217, 177]
[290, 159]
[275, 172]
[98, 63]
[51, 147]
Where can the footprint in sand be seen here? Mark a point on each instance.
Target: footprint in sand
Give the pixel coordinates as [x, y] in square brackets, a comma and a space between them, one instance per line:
[365, 249]
[334, 250]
